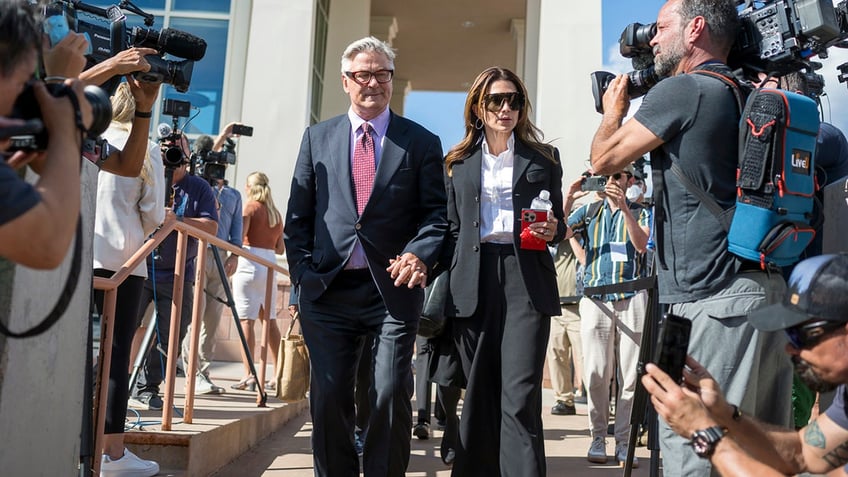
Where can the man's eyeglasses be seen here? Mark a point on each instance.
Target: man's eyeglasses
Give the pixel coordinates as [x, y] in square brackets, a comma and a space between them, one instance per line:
[807, 335]
[617, 175]
[364, 77]
[494, 102]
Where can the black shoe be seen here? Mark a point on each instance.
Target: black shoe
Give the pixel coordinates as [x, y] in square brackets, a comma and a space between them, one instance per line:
[563, 409]
[146, 399]
[421, 430]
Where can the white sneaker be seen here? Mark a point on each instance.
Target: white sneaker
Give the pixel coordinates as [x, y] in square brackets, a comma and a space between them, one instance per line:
[130, 465]
[204, 385]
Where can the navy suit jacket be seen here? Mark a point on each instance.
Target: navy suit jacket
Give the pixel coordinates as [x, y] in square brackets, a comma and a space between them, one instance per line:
[406, 211]
[532, 172]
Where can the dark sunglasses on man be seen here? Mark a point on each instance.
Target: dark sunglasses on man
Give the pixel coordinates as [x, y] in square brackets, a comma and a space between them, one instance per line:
[617, 175]
[494, 101]
[807, 335]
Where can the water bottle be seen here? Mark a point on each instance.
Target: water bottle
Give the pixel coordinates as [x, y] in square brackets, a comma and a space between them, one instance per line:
[542, 202]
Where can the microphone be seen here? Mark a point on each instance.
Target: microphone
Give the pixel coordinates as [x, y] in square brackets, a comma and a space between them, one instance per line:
[174, 42]
[164, 130]
[203, 143]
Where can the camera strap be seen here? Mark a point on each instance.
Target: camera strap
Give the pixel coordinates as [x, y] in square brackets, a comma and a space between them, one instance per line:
[64, 297]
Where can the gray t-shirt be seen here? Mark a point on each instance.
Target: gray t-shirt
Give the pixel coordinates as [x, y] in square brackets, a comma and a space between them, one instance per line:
[697, 118]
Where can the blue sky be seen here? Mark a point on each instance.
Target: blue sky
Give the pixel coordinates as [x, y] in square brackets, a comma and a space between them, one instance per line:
[442, 112]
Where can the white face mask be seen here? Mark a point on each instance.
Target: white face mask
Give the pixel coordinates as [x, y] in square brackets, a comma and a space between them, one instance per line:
[633, 192]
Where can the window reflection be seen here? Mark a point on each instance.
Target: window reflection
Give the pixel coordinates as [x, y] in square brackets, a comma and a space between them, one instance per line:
[207, 80]
[221, 6]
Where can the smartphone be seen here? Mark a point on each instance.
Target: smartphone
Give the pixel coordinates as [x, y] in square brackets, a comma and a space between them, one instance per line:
[528, 241]
[593, 183]
[242, 130]
[672, 345]
[56, 28]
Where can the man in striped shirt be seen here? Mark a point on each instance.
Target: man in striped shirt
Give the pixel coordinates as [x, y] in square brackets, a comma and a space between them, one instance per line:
[615, 237]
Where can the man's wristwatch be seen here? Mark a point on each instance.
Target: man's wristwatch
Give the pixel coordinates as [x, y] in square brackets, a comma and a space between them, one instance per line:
[705, 440]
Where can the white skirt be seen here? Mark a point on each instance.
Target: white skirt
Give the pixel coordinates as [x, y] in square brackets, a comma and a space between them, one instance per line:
[249, 284]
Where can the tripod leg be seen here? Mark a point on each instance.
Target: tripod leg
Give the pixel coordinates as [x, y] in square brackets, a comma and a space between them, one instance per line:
[262, 397]
[640, 397]
[141, 356]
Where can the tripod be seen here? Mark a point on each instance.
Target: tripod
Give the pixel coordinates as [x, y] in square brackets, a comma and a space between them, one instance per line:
[642, 412]
[147, 342]
[640, 409]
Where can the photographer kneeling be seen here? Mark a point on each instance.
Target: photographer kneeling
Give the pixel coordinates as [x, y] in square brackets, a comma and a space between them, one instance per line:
[37, 221]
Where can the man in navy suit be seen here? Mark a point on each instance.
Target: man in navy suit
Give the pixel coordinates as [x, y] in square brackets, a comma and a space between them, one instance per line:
[364, 227]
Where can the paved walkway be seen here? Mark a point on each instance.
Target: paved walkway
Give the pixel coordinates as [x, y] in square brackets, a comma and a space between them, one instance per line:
[286, 453]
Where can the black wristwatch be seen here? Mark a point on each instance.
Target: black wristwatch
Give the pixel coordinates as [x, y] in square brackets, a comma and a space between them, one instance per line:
[705, 440]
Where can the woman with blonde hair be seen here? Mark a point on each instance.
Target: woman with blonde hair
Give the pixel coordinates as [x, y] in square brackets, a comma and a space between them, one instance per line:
[263, 236]
[128, 210]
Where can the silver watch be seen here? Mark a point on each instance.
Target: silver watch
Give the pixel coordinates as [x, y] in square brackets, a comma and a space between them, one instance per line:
[705, 440]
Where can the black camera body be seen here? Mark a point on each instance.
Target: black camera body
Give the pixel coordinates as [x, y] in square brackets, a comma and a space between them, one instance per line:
[212, 165]
[26, 107]
[110, 35]
[777, 37]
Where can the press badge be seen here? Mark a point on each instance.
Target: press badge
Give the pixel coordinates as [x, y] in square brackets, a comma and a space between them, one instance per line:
[618, 251]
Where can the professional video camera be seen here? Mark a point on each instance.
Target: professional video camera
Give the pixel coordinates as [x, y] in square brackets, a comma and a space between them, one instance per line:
[107, 41]
[170, 137]
[775, 37]
[212, 165]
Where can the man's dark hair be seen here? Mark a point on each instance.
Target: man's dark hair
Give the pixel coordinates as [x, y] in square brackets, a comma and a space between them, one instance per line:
[721, 17]
[20, 33]
[794, 81]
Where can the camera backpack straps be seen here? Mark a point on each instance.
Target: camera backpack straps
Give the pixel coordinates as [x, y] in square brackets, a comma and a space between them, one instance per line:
[772, 221]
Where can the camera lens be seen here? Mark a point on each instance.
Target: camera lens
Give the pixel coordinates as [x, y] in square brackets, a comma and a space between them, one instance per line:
[641, 81]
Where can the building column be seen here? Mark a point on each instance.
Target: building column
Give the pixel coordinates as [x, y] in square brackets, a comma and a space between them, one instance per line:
[350, 20]
[384, 28]
[569, 49]
[275, 98]
[518, 27]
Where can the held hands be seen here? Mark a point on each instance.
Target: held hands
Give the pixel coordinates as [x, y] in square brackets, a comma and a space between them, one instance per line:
[407, 268]
[698, 405]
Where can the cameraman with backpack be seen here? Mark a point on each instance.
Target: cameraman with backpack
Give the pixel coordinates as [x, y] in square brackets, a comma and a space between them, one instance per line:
[691, 120]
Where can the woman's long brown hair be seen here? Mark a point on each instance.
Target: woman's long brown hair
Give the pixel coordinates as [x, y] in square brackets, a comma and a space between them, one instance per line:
[525, 131]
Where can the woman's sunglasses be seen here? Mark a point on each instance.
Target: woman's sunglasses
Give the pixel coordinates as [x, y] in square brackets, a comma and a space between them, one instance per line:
[494, 102]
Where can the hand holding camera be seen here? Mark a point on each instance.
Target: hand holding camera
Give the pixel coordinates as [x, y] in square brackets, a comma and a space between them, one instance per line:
[67, 57]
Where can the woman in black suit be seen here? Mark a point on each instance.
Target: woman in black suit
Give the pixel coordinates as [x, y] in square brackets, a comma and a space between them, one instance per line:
[502, 294]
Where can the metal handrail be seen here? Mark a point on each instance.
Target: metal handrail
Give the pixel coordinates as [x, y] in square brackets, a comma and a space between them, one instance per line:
[110, 286]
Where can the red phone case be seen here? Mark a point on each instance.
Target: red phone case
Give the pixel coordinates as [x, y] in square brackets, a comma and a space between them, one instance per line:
[528, 241]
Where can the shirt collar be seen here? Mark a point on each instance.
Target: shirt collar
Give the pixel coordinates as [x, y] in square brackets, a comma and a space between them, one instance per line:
[380, 123]
[510, 144]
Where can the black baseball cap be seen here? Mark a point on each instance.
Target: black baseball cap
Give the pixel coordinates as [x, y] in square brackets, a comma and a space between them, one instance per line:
[818, 289]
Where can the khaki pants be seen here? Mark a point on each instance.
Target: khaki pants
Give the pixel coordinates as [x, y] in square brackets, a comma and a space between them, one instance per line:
[611, 333]
[563, 347]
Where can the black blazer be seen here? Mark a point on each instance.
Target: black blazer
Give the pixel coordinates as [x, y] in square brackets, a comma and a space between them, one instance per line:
[405, 212]
[532, 172]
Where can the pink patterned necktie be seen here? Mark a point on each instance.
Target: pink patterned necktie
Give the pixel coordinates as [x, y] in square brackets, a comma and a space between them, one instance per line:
[363, 167]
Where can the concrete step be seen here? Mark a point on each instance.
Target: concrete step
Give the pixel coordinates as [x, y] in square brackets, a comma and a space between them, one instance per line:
[224, 427]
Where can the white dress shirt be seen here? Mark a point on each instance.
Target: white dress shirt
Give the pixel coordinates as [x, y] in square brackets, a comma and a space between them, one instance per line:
[496, 213]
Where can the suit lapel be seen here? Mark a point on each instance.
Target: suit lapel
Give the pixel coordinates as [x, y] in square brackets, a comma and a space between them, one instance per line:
[339, 139]
[520, 163]
[394, 150]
